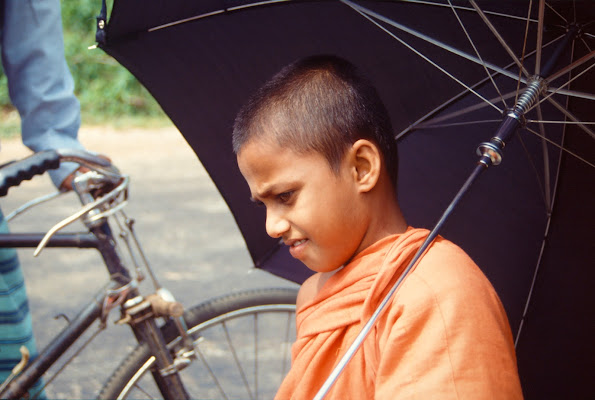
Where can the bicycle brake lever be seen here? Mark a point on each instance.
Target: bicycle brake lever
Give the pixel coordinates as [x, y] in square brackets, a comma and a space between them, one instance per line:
[88, 207]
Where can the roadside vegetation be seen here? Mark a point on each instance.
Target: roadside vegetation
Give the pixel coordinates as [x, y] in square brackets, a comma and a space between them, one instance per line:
[108, 93]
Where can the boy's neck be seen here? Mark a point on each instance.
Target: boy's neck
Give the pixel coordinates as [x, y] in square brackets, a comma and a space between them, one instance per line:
[386, 216]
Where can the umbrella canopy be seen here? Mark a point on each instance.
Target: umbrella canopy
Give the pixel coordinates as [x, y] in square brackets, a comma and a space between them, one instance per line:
[447, 72]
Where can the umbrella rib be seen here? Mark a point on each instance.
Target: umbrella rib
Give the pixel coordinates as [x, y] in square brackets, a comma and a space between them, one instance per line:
[561, 147]
[566, 92]
[546, 162]
[573, 93]
[499, 37]
[477, 53]
[369, 13]
[571, 116]
[364, 13]
[183, 21]
[547, 227]
[585, 43]
[535, 169]
[213, 13]
[430, 125]
[471, 108]
[498, 14]
[539, 121]
[572, 66]
[556, 12]
[537, 51]
[539, 36]
[420, 124]
[533, 281]
[450, 115]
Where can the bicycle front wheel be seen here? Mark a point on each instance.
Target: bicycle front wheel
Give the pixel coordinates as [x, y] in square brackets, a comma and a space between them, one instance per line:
[242, 343]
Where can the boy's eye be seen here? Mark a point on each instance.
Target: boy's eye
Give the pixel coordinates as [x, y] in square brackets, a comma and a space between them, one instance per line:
[285, 196]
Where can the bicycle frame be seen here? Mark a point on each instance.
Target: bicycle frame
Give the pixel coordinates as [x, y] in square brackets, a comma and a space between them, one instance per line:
[139, 312]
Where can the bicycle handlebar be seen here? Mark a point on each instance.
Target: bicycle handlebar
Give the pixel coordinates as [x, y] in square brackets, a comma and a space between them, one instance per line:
[15, 172]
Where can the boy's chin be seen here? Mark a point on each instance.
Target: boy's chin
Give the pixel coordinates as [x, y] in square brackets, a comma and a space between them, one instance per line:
[321, 268]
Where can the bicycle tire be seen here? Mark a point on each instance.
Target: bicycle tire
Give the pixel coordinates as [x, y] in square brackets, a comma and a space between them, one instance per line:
[228, 365]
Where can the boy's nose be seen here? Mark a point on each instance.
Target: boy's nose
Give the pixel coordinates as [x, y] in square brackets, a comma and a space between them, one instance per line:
[276, 225]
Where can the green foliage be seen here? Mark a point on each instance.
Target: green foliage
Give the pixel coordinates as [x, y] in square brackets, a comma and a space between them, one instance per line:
[106, 90]
[104, 87]
[4, 100]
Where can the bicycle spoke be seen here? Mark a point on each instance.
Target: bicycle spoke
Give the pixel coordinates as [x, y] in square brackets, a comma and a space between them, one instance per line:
[211, 373]
[256, 355]
[288, 335]
[138, 387]
[236, 359]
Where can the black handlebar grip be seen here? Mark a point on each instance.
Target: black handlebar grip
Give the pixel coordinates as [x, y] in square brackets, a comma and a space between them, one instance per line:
[14, 173]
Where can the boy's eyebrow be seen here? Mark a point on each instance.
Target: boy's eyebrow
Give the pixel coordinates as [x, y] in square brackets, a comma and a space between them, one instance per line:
[264, 194]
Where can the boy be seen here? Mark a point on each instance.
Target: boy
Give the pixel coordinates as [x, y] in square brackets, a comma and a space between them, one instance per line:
[315, 145]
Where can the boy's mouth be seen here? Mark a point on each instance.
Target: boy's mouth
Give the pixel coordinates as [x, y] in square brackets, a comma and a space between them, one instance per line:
[297, 243]
[296, 248]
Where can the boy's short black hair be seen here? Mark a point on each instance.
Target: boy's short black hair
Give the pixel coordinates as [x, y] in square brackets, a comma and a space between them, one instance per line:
[320, 103]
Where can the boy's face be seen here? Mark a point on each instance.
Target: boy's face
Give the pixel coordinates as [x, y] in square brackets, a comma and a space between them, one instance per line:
[316, 212]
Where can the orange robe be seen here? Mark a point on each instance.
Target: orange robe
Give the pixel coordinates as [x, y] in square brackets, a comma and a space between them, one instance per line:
[444, 335]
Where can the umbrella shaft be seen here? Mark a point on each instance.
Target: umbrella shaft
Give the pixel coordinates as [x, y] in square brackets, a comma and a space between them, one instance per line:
[573, 30]
[491, 152]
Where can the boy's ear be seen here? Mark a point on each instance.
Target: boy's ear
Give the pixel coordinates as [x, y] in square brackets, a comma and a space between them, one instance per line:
[367, 163]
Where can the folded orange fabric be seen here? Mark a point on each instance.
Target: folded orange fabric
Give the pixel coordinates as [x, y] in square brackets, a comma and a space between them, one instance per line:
[444, 335]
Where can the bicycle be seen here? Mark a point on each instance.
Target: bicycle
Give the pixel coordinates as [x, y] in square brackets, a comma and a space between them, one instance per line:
[179, 351]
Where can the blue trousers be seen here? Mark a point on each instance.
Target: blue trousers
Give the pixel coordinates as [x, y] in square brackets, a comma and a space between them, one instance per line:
[42, 89]
[40, 85]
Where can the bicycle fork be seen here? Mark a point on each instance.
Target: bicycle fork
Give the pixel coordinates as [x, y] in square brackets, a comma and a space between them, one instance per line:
[140, 314]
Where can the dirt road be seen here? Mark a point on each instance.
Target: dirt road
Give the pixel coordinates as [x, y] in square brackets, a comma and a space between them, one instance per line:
[185, 227]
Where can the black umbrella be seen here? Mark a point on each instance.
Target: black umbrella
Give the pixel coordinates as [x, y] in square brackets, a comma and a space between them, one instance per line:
[451, 74]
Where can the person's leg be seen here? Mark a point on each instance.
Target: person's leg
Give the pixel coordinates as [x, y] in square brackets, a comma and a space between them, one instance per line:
[39, 82]
[15, 320]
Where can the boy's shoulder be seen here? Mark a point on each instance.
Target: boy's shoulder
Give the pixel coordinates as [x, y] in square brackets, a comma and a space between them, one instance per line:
[311, 287]
[447, 272]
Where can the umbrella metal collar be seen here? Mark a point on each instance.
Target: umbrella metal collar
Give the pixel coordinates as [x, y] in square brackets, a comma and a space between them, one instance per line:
[491, 152]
